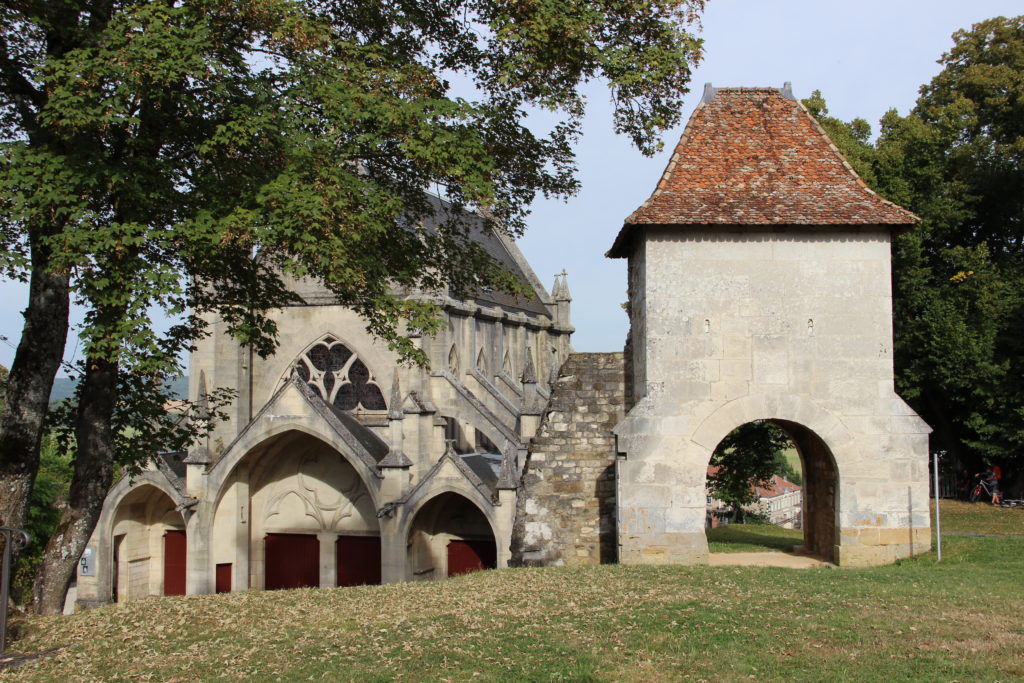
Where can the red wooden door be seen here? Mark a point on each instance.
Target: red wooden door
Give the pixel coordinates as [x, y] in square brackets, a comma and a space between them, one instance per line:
[175, 545]
[470, 556]
[291, 561]
[224, 578]
[358, 560]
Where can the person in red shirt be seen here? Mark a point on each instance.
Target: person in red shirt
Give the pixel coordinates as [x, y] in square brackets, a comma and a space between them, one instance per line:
[992, 476]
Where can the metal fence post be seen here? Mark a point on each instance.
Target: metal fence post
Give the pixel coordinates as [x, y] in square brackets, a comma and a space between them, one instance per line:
[12, 538]
[938, 519]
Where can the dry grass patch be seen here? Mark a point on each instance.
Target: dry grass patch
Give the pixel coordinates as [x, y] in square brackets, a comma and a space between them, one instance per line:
[962, 619]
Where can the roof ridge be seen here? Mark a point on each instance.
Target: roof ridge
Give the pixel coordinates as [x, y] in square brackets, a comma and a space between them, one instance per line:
[756, 156]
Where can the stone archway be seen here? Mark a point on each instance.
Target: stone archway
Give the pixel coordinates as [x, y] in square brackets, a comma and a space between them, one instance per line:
[295, 512]
[449, 535]
[819, 491]
[148, 552]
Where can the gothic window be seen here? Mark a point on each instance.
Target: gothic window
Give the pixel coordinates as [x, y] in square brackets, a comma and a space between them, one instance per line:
[453, 361]
[339, 377]
[481, 362]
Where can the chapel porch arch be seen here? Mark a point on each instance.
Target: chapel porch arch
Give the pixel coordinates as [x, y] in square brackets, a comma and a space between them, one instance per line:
[148, 484]
[285, 513]
[448, 534]
[145, 554]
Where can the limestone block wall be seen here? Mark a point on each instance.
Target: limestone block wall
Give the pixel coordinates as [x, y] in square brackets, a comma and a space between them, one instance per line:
[792, 325]
[565, 511]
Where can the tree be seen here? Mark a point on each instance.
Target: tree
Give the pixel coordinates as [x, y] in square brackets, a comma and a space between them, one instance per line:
[957, 161]
[193, 156]
[747, 457]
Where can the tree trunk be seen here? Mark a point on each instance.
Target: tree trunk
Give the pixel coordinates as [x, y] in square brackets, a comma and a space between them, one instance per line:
[94, 468]
[29, 385]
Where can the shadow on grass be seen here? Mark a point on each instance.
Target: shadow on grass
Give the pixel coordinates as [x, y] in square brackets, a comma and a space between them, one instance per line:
[752, 537]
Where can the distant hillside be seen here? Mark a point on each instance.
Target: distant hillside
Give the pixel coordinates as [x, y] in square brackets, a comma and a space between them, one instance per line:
[64, 387]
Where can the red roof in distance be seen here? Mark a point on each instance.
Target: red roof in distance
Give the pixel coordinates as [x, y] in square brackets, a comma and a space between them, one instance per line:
[755, 156]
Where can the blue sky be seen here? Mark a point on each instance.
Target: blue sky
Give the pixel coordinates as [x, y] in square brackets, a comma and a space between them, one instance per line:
[866, 57]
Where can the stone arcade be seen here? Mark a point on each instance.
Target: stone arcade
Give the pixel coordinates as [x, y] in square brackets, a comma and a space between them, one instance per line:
[759, 289]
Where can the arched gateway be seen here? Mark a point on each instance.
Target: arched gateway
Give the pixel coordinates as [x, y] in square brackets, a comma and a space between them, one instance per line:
[759, 289]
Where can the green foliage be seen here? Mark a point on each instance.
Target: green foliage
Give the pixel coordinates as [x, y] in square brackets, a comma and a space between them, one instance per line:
[195, 158]
[239, 142]
[853, 138]
[747, 457]
[957, 161]
[784, 465]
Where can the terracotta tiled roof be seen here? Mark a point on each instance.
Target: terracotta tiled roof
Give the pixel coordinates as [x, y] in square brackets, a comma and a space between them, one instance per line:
[776, 487]
[755, 156]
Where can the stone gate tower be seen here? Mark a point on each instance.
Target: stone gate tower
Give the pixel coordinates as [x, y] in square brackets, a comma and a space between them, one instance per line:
[760, 289]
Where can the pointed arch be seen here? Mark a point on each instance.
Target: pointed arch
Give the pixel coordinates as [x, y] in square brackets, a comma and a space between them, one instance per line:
[449, 535]
[154, 480]
[453, 360]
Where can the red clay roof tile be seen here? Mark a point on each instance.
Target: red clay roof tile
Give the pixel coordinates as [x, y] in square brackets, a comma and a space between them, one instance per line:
[752, 156]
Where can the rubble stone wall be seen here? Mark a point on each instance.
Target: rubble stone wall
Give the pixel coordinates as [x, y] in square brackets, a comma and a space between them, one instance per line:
[565, 510]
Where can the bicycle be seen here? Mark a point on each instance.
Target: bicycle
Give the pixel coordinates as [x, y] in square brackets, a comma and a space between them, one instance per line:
[982, 486]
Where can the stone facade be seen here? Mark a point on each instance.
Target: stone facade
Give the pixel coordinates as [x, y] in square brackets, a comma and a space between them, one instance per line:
[565, 512]
[337, 464]
[759, 289]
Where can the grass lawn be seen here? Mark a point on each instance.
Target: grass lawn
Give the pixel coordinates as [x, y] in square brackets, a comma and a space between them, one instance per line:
[979, 518]
[961, 619]
[744, 538]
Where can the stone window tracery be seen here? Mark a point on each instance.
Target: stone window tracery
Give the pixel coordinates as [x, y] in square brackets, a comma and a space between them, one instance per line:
[339, 377]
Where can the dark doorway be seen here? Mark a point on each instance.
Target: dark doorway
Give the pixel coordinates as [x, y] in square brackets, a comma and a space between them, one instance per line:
[471, 556]
[291, 561]
[358, 560]
[115, 565]
[175, 550]
[223, 578]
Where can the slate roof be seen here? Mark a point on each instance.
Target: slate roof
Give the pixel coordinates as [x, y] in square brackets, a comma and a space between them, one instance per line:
[369, 440]
[486, 466]
[505, 253]
[755, 156]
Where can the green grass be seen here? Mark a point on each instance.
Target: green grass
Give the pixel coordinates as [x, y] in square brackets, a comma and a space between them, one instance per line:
[793, 458]
[961, 619]
[980, 518]
[742, 538]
